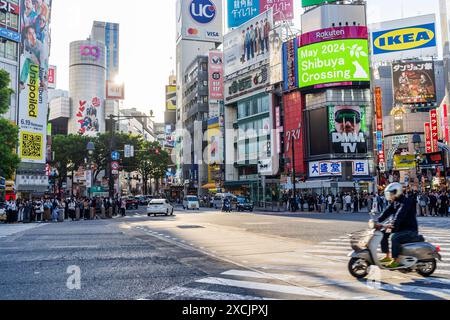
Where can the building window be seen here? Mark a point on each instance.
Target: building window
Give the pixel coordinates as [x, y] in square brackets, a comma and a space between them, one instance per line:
[8, 49]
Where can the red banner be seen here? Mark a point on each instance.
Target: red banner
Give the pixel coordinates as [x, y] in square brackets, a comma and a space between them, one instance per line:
[434, 130]
[428, 142]
[293, 128]
[445, 126]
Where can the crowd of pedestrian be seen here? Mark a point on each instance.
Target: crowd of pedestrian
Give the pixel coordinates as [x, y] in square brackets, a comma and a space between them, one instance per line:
[433, 204]
[59, 210]
[343, 202]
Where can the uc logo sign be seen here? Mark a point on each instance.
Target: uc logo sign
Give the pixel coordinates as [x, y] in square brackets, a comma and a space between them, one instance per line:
[202, 11]
[416, 37]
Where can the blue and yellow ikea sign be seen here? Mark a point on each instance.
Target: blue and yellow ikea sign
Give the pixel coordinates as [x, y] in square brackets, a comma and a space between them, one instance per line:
[403, 39]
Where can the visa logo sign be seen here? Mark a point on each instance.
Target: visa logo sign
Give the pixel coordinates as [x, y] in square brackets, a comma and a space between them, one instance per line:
[403, 39]
[212, 34]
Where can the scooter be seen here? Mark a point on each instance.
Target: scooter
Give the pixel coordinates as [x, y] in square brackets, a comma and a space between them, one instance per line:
[417, 256]
[226, 207]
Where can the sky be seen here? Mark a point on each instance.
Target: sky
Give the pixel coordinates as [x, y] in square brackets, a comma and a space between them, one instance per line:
[147, 39]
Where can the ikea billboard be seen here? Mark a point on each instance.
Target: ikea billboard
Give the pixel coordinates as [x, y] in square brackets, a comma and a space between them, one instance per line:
[404, 39]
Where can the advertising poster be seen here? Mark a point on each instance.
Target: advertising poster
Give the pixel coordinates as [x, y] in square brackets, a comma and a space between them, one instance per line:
[199, 20]
[33, 80]
[309, 3]
[115, 91]
[171, 98]
[248, 44]
[337, 62]
[414, 82]
[407, 162]
[404, 38]
[87, 117]
[428, 142]
[215, 72]
[276, 55]
[348, 129]
[52, 77]
[434, 130]
[241, 11]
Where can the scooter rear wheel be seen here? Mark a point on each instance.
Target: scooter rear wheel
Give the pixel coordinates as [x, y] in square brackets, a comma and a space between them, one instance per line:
[428, 269]
[358, 268]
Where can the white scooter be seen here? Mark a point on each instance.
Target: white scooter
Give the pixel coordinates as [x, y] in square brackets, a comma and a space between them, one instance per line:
[418, 256]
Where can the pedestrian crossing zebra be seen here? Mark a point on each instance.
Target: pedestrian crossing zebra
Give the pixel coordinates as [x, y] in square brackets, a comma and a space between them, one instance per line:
[278, 283]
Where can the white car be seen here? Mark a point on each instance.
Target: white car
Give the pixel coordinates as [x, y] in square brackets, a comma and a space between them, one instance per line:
[191, 203]
[159, 206]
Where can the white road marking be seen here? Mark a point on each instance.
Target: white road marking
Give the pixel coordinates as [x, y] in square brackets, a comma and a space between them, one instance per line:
[293, 290]
[208, 295]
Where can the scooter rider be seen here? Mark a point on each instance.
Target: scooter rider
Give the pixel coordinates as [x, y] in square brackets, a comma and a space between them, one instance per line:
[404, 224]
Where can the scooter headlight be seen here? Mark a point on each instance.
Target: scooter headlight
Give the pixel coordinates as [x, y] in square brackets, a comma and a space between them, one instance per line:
[372, 224]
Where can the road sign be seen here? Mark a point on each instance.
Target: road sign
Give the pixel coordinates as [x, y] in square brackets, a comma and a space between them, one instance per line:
[115, 172]
[115, 166]
[127, 151]
[115, 156]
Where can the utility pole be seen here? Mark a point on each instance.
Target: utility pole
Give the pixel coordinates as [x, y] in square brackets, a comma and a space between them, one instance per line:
[293, 170]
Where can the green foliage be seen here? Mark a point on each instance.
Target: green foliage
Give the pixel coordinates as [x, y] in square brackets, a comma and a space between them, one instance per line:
[70, 152]
[102, 154]
[9, 134]
[152, 164]
[5, 91]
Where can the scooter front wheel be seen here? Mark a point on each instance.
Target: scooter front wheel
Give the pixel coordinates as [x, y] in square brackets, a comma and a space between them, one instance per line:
[358, 268]
[427, 268]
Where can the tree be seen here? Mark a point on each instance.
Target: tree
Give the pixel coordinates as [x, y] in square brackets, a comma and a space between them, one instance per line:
[153, 163]
[70, 152]
[9, 133]
[102, 153]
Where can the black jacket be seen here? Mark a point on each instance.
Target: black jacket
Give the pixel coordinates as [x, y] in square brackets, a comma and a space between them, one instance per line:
[404, 215]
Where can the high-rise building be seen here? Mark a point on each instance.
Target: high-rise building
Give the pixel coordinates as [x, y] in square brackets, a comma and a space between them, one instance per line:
[9, 41]
[87, 87]
[199, 29]
[108, 33]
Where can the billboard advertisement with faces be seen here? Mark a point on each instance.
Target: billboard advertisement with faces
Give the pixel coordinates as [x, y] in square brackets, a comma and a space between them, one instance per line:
[33, 80]
[241, 11]
[249, 44]
[348, 129]
[414, 82]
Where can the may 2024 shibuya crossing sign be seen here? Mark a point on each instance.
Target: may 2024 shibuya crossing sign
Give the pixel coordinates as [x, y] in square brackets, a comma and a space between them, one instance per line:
[309, 3]
[334, 62]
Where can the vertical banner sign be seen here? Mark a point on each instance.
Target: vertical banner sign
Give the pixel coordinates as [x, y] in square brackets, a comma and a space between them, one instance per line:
[428, 143]
[434, 130]
[33, 81]
[379, 123]
[290, 65]
[443, 116]
[215, 71]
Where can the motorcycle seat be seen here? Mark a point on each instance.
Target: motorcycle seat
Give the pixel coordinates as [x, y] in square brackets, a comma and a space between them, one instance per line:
[419, 238]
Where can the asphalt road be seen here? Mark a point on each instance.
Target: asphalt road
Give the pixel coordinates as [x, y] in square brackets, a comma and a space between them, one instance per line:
[201, 255]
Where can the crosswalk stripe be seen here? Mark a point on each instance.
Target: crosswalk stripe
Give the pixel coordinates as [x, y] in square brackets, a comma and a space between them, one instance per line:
[208, 295]
[294, 290]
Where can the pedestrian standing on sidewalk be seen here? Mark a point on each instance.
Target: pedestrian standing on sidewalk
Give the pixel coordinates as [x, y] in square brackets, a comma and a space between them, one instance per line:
[356, 203]
[19, 214]
[330, 202]
[11, 211]
[348, 203]
[71, 207]
[123, 207]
